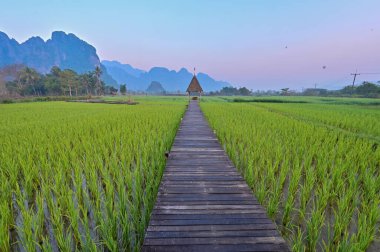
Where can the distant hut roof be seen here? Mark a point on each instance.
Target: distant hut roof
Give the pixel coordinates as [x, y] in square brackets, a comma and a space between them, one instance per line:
[194, 85]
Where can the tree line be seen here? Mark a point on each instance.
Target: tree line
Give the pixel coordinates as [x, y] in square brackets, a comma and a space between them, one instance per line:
[366, 90]
[227, 91]
[28, 82]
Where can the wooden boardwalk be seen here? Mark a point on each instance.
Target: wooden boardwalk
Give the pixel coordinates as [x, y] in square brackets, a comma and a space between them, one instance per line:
[203, 203]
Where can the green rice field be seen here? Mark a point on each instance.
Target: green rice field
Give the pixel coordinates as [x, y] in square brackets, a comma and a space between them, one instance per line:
[78, 176]
[84, 177]
[314, 165]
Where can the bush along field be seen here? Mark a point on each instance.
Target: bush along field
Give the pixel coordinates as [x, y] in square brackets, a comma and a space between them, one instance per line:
[80, 176]
[317, 174]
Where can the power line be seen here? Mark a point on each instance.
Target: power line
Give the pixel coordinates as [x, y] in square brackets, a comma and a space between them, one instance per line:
[356, 74]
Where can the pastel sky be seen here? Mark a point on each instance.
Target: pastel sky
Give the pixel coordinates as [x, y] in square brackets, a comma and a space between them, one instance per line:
[261, 44]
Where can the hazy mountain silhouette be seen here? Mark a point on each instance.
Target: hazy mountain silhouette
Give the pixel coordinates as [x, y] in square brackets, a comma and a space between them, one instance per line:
[119, 70]
[66, 51]
[155, 88]
[137, 79]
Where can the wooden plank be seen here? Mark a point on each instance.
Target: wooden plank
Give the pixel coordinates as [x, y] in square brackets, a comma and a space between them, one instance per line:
[215, 240]
[191, 186]
[216, 190]
[216, 247]
[209, 222]
[203, 197]
[166, 202]
[204, 234]
[202, 172]
[207, 207]
[203, 203]
[213, 211]
[200, 178]
[235, 227]
[206, 216]
[205, 183]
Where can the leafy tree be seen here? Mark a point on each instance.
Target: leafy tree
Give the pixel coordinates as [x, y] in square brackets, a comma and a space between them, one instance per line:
[123, 89]
[86, 79]
[27, 81]
[348, 89]
[284, 91]
[232, 91]
[244, 91]
[31, 78]
[53, 81]
[368, 89]
[68, 80]
[28, 78]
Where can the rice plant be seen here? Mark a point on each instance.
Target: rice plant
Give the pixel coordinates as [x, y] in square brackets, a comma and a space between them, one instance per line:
[81, 176]
[315, 167]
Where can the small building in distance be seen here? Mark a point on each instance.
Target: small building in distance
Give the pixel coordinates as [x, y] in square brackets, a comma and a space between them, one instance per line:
[194, 89]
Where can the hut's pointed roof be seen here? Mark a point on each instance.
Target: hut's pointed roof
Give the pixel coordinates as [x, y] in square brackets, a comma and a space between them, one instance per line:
[194, 85]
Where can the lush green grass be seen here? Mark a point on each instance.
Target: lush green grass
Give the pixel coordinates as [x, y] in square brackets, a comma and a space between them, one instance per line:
[298, 99]
[79, 176]
[314, 166]
[84, 176]
[149, 99]
[361, 120]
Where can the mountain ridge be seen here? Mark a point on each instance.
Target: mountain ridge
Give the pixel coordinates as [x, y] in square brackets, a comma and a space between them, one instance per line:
[171, 80]
[67, 51]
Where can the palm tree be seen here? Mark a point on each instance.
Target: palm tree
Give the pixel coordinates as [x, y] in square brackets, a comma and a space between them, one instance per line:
[98, 87]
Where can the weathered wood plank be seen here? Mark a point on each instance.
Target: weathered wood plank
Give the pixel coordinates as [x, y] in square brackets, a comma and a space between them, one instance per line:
[203, 203]
[209, 222]
[194, 178]
[166, 202]
[215, 240]
[204, 234]
[236, 227]
[207, 207]
[214, 247]
[213, 211]
[206, 216]
[204, 197]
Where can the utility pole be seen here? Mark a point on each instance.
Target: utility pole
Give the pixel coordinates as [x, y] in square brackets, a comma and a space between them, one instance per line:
[354, 74]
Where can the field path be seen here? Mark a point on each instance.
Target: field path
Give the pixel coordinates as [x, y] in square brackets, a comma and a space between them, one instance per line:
[203, 203]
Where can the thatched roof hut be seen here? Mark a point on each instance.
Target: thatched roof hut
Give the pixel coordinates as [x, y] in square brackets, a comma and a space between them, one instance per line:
[194, 86]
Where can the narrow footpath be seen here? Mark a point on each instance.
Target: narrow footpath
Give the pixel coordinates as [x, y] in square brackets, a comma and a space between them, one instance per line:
[203, 203]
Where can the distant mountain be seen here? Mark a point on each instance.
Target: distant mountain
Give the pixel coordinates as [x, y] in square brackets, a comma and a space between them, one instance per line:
[139, 80]
[66, 51]
[155, 88]
[119, 70]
